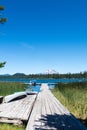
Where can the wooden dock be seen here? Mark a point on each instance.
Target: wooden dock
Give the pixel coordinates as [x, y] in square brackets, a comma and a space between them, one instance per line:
[49, 114]
[41, 112]
[17, 110]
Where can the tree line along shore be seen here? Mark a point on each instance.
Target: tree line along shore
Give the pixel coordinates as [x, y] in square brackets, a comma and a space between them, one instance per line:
[45, 76]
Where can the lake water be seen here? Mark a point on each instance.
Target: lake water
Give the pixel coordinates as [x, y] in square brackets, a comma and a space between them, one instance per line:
[39, 81]
[36, 88]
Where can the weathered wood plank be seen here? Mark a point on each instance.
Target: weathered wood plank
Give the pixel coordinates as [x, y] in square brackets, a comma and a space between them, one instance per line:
[49, 114]
[44, 112]
[68, 120]
[35, 115]
[15, 122]
[18, 109]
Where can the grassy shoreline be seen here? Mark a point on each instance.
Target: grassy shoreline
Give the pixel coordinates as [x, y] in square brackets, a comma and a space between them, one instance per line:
[7, 88]
[74, 97]
[11, 127]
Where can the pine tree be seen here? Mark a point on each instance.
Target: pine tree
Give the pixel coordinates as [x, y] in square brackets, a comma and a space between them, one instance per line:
[2, 19]
[2, 64]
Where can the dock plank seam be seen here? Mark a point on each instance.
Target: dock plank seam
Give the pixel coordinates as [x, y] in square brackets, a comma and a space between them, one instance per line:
[49, 114]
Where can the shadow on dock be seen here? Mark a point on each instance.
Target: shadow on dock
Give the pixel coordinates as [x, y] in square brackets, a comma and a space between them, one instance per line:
[84, 121]
[59, 122]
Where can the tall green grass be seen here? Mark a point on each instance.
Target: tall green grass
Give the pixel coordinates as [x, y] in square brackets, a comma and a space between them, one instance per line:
[7, 88]
[10, 127]
[74, 97]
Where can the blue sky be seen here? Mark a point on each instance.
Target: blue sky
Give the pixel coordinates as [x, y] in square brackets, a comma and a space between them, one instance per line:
[44, 34]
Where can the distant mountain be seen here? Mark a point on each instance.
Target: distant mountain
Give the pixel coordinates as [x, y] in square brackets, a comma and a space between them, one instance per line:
[51, 71]
[19, 74]
[5, 75]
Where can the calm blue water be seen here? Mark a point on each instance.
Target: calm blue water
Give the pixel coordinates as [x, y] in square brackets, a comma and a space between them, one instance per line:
[36, 88]
[54, 81]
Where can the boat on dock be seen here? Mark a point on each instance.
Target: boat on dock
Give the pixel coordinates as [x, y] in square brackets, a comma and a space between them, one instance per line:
[15, 96]
[31, 92]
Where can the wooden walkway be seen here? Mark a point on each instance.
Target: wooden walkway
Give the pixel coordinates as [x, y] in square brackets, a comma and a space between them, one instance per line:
[41, 112]
[49, 114]
[17, 110]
